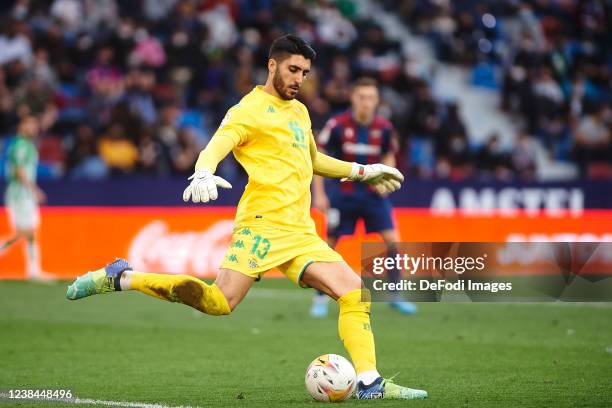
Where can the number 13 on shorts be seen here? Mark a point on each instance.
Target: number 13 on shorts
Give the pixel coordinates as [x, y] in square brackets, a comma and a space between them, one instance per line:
[260, 250]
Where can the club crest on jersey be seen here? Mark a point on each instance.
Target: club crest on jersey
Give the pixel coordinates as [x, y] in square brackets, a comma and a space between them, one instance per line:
[299, 135]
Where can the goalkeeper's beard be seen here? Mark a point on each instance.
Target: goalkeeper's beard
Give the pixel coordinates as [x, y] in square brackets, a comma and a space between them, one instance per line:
[281, 87]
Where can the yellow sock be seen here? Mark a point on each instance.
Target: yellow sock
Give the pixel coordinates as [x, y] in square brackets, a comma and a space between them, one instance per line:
[183, 289]
[355, 331]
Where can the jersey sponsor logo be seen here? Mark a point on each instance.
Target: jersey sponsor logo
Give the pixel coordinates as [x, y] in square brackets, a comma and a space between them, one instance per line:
[360, 148]
[349, 133]
[271, 109]
[299, 145]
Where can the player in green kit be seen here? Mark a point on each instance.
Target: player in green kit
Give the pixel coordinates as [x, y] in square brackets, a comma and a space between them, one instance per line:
[22, 194]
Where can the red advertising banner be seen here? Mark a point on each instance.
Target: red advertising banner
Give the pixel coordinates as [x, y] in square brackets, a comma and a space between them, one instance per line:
[193, 240]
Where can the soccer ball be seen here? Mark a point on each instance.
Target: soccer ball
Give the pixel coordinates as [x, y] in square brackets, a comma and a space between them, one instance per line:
[330, 378]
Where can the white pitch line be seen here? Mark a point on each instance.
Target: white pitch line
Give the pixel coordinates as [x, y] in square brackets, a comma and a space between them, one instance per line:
[4, 396]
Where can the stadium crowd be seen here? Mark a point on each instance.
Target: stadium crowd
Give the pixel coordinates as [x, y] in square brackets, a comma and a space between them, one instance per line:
[139, 86]
[554, 63]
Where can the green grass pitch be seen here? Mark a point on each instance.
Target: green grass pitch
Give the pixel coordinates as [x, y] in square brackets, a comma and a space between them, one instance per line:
[129, 347]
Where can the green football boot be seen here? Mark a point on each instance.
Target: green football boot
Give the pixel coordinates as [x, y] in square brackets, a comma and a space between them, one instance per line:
[103, 280]
[386, 389]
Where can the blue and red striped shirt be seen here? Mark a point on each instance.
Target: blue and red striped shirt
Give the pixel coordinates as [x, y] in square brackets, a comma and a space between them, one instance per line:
[346, 139]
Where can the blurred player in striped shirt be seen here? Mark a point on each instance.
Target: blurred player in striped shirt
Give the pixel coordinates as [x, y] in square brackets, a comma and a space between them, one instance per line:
[358, 135]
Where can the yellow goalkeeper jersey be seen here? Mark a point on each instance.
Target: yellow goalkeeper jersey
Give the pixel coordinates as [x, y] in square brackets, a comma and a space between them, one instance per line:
[273, 142]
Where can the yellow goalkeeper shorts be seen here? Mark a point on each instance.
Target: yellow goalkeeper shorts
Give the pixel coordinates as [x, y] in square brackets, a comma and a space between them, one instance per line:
[255, 250]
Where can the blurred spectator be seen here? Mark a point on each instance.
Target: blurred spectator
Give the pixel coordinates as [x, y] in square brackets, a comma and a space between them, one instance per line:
[332, 28]
[151, 157]
[493, 160]
[523, 158]
[14, 45]
[69, 13]
[185, 152]
[167, 132]
[106, 84]
[148, 51]
[83, 159]
[337, 89]
[8, 113]
[156, 10]
[35, 97]
[451, 146]
[220, 24]
[548, 92]
[42, 70]
[423, 117]
[592, 141]
[139, 85]
[117, 151]
[451, 124]
[555, 135]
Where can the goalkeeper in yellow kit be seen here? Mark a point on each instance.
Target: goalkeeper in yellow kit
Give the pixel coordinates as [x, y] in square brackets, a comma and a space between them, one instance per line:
[269, 132]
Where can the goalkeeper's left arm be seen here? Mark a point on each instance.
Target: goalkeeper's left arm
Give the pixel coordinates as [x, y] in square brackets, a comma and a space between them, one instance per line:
[384, 178]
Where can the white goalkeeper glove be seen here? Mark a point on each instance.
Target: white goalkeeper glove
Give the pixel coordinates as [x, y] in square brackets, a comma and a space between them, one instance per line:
[203, 186]
[385, 179]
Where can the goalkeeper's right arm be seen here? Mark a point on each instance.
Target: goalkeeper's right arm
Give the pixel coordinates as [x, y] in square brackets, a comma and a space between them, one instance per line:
[215, 151]
[203, 186]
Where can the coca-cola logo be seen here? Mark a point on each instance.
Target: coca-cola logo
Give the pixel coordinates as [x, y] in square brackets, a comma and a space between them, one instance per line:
[156, 249]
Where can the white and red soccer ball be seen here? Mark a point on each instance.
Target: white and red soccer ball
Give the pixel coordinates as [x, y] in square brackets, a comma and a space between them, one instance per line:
[330, 378]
